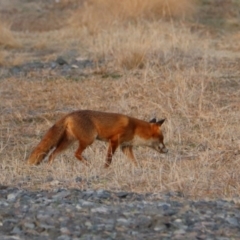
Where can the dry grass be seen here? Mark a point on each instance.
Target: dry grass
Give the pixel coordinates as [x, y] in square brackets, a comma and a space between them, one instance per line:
[7, 38]
[201, 132]
[164, 70]
[98, 14]
[7, 41]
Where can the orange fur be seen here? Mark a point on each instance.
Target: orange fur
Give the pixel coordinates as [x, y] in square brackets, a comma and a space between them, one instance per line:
[85, 126]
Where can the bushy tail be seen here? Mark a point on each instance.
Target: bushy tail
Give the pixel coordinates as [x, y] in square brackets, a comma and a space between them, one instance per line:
[49, 141]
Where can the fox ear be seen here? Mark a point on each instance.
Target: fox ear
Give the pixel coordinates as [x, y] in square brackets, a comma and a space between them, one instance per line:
[160, 122]
[153, 120]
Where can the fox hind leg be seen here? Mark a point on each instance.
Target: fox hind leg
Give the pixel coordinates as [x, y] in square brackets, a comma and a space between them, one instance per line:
[61, 146]
[127, 150]
[81, 148]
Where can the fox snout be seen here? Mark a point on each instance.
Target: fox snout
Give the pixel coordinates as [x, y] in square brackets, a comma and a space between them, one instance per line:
[161, 148]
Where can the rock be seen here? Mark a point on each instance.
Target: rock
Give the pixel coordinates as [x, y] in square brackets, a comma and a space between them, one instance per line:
[61, 61]
[12, 197]
[2, 187]
[179, 232]
[100, 210]
[122, 194]
[62, 194]
[53, 65]
[233, 221]
[63, 237]
[164, 206]
[86, 203]
[64, 230]
[16, 230]
[50, 179]
[15, 70]
[3, 204]
[123, 222]
[54, 183]
[74, 66]
[88, 224]
[103, 194]
[29, 225]
[8, 225]
[78, 179]
[33, 65]
[87, 194]
[78, 207]
[143, 221]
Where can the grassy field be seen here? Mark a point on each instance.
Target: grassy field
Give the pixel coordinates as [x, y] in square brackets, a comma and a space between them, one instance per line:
[151, 59]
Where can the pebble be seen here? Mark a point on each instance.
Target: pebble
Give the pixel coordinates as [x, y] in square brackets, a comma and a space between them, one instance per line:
[66, 214]
[233, 221]
[100, 210]
[29, 225]
[61, 61]
[62, 194]
[11, 197]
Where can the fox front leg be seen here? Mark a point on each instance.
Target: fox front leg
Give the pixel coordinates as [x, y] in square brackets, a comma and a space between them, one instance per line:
[111, 150]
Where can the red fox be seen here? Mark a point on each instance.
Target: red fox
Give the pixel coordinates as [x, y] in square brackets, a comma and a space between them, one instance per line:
[85, 126]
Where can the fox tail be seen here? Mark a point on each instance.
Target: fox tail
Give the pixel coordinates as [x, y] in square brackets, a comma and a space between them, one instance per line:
[48, 142]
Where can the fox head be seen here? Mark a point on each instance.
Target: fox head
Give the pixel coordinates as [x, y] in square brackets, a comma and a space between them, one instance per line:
[157, 136]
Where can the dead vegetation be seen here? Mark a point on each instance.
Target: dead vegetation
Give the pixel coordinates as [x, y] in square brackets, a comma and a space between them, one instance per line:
[156, 63]
[99, 14]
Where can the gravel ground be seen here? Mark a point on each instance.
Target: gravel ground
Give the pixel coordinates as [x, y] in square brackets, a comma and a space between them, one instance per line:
[73, 68]
[74, 214]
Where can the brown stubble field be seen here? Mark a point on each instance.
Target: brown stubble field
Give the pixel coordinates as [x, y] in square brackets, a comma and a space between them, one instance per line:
[150, 60]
